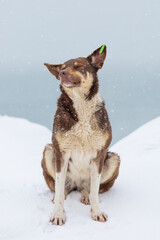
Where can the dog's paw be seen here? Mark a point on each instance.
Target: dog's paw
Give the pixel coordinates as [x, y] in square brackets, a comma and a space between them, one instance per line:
[101, 216]
[84, 200]
[58, 218]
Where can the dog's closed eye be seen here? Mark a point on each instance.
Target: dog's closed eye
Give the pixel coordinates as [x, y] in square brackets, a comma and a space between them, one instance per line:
[78, 66]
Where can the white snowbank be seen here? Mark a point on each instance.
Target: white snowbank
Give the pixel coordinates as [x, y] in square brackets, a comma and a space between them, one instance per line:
[133, 204]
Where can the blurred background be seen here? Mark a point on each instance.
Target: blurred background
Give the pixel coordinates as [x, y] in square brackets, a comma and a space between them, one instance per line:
[53, 31]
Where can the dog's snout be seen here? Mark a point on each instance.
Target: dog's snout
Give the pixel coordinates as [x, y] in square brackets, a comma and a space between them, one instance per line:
[63, 73]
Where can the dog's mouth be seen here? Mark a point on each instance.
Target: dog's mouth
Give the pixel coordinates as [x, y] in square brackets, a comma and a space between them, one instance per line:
[67, 80]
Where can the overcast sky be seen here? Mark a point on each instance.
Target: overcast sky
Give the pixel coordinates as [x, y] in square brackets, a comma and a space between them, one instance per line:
[33, 32]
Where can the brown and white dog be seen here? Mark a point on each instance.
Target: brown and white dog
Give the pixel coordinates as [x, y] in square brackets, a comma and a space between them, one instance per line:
[78, 158]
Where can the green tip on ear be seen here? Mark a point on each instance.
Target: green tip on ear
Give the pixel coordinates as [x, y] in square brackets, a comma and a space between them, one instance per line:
[102, 48]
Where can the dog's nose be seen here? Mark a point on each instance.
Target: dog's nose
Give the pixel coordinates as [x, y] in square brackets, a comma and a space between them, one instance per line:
[63, 73]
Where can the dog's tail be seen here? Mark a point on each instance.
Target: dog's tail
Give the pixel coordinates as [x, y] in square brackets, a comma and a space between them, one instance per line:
[110, 171]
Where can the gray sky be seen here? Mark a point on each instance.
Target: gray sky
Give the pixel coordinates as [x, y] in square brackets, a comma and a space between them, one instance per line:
[33, 32]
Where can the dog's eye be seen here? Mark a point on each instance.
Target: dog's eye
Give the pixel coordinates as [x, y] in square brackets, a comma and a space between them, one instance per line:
[78, 67]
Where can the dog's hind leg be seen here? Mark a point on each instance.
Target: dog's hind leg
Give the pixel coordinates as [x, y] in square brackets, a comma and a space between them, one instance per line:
[48, 166]
[110, 171]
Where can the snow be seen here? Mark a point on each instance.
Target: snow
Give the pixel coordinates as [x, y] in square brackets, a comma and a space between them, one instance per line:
[25, 201]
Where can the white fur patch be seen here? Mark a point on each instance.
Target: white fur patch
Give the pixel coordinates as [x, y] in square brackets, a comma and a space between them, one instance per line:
[82, 142]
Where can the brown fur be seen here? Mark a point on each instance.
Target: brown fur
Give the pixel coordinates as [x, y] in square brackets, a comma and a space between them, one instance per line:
[109, 183]
[48, 178]
[54, 69]
[103, 119]
[94, 89]
[66, 116]
[104, 124]
[58, 154]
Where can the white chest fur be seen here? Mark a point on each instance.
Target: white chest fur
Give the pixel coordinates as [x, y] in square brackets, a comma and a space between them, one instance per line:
[82, 142]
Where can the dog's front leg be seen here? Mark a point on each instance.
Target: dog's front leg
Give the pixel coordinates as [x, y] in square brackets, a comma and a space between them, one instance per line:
[58, 215]
[96, 213]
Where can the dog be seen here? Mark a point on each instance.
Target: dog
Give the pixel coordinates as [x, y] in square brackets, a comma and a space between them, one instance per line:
[78, 158]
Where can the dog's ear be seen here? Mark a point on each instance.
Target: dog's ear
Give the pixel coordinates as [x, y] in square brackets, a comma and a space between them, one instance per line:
[97, 58]
[54, 69]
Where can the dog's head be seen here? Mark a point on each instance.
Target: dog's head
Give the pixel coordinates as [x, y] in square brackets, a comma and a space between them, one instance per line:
[79, 73]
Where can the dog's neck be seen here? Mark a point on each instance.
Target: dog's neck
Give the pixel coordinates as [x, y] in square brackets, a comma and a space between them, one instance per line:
[78, 100]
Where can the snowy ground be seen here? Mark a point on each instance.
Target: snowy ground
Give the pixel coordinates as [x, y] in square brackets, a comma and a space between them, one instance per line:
[133, 204]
